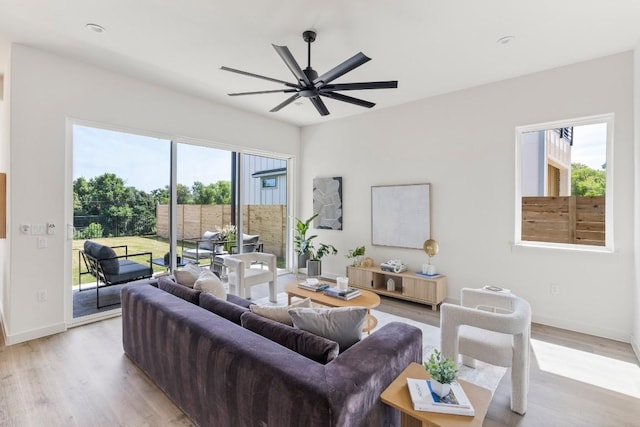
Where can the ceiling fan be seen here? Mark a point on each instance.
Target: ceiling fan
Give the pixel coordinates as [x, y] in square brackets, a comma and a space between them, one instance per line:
[310, 85]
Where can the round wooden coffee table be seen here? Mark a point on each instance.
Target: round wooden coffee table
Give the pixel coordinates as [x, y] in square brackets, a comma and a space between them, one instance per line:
[366, 299]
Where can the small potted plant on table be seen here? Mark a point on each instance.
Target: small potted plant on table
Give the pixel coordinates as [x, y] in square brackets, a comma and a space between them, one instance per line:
[314, 264]
[443, 372]
[357, 255]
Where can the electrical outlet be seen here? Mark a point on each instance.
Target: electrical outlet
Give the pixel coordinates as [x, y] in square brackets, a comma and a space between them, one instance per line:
[25, 228]
[554, 289]
[41, 295]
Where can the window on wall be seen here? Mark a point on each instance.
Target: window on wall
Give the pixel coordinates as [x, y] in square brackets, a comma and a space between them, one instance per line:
[270, 182]
[563, 196]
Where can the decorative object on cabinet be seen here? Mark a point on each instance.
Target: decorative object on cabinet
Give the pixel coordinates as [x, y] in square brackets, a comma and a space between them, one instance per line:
[408, 286]
[367, 262]
[400, 215]
[431, 248]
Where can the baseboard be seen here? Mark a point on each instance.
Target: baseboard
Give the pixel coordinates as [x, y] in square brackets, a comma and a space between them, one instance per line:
[34, 334]
[588, 329]
[636, 348]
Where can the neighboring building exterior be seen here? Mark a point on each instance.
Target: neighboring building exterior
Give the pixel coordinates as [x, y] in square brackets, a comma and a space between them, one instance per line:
[546, 162]
[264, 181]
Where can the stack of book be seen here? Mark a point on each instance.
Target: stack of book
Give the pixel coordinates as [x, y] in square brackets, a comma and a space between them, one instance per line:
[345, 294]
[424, 399]
[315, 287]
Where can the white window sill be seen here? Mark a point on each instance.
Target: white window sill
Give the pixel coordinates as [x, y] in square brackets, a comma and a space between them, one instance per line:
[562, 247]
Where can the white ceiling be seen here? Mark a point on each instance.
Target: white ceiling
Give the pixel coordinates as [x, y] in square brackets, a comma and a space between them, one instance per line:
[430, 46]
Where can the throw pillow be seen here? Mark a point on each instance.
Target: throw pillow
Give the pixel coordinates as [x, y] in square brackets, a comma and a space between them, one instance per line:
[188, 275]
[209, 282]
[342, 325]
[279, 314]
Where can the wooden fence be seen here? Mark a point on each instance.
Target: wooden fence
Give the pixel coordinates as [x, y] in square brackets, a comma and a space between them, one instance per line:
[577, 220]
[269, 221]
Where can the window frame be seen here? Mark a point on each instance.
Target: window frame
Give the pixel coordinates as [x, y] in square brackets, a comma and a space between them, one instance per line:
[608, 119]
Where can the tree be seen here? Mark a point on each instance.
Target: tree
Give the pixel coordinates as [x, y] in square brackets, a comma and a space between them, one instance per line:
[184, 195]
[586, 181]
[120, 209]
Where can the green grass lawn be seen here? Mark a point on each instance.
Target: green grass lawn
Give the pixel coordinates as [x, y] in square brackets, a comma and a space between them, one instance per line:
[135, 244]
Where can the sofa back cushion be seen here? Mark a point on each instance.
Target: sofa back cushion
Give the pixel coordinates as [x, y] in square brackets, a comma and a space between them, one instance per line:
[102, 252]
[302, 342]
[167, 284]
[222, 308]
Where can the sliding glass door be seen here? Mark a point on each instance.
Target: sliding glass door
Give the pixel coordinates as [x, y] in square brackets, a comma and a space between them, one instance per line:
[160, 198]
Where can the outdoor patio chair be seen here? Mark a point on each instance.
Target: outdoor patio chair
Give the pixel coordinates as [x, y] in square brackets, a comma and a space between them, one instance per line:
[110, 269]
[206, 247]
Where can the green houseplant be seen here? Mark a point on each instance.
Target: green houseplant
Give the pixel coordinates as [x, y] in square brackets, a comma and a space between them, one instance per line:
[303, 243]
[356, 254]
[443, 372]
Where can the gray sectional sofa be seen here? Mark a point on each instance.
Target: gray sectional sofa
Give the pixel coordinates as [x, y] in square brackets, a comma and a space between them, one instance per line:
[192, 345]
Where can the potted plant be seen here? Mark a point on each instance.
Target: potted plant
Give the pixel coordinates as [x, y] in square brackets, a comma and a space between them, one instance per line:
[314, 264]
[356, 254]
[443, 372]
[303, 244]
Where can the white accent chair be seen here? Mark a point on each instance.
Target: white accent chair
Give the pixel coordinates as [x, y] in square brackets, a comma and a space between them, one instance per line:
[492, 327]
[242, 276]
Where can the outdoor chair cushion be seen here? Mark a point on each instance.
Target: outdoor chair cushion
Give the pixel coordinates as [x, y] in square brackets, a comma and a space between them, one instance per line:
[102, 252]
[208, 240]
[129, 270]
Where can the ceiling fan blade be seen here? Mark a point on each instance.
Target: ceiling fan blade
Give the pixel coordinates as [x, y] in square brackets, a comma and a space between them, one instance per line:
[317, 102]
[354, 62]
[285, 103]
[263, 91]
[392, 84]
[349, 99]
[291, 63]
[246, 73]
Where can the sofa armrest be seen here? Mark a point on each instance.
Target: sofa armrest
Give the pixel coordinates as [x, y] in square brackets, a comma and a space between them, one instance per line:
[360, 374]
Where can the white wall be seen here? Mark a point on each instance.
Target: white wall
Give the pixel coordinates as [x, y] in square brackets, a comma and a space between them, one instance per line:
[46, 90]
[635, 340]
[464, 144]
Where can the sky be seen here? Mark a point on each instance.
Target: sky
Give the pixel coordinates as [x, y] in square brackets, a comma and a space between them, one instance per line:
[589, 145]
[142, 161]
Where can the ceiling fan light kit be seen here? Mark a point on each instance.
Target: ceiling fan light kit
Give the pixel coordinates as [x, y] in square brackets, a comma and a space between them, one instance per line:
[310, 85]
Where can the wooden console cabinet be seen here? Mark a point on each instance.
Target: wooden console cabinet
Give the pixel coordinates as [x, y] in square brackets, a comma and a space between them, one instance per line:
[408, 285]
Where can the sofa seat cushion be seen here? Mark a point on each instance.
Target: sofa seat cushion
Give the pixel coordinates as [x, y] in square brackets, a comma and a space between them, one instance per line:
[341, 324]
[302, 342]
[222, 308]
[168, 285]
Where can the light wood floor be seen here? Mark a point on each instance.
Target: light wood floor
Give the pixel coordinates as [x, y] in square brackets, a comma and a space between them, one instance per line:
[82, 378]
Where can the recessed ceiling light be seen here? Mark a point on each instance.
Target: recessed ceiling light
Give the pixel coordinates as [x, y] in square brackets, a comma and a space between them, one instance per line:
[505, 39]
[97, 28]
